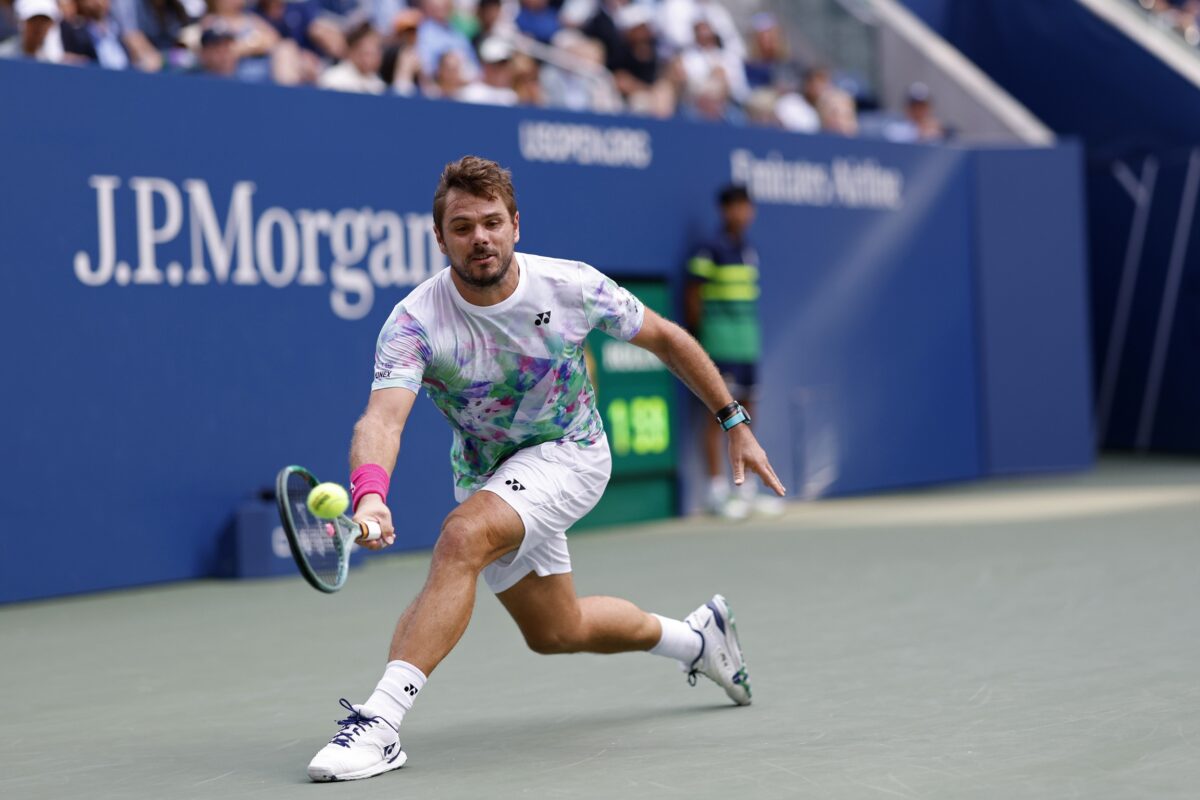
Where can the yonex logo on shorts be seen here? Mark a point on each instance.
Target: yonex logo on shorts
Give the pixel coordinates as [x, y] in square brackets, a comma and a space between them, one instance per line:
[542, 318]
[515, 484]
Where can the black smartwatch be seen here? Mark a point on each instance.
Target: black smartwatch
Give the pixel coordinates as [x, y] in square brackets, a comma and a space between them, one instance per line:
[733, 414]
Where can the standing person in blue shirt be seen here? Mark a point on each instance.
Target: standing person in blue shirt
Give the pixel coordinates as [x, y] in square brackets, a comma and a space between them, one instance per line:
[721, 309]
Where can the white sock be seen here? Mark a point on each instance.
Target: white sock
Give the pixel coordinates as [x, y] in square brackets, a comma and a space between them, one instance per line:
[718, 489]
[397, 689]
[749, 488]
[678, 641]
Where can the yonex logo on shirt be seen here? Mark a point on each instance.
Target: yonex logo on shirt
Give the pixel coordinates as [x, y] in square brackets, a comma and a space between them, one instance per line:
[542, 318]
[516, 485]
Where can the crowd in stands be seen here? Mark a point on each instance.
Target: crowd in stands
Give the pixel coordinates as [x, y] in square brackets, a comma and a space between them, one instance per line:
[1182, 16]
[660, 58]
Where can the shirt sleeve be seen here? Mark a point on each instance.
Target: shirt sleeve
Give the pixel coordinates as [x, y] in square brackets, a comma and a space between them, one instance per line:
[701, 266]
[608, 307]
[402, 352]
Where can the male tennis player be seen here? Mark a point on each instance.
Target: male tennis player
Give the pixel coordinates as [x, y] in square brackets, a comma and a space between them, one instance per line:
[496, 340]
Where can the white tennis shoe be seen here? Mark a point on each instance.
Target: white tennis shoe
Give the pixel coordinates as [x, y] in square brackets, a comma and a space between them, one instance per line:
[720, 656]
[365, 746]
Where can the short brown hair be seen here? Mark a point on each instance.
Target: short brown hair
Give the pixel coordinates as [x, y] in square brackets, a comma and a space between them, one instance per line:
[476, 176]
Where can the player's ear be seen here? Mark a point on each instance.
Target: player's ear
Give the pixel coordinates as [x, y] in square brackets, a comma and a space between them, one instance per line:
[516, 227]
[437, 234]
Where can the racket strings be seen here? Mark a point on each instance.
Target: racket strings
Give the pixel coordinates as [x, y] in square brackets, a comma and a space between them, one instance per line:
[318, 539]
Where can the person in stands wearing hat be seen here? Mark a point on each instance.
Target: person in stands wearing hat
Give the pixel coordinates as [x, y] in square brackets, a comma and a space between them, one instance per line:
[38, 35]
[919, 110]
[218, 54]
[496, 85]
[359, 70]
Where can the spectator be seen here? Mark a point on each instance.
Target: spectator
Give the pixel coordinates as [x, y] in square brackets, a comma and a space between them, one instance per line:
[401, 66]
[38, 35]
[95, 37]
[636, 67]
[602, 26]
[817, 81]
[589, 87]
[435, 36]
[359, 70]
[837, 112]
[305, 23]
[496, 85]
[218, 52]
[538, 20]
[795, 114]
[770, 65]
[676, 19]
[9, 24]
[162, 22]
[706, 55]
[449, 78]
[488, 21]
[721, 309]
[526, 81]
[919, 111]
[254, 38]
[710, 102]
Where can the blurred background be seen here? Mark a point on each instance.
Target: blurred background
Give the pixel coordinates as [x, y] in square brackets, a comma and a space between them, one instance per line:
[974, 224]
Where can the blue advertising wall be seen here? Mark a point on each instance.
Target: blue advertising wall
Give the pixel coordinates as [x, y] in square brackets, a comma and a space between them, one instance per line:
[196, 273]
[1139, 119]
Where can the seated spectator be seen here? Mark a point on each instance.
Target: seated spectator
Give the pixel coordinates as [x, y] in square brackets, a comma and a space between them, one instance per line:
[496, 84]
[706, 55]
[838, 114]
[636, 67]
[162, 22]
[254, 38]
[526, 81]
[676, 19]
[488, 21]
[795, 114]
[38, 37]
[305, 23]
[401, 66]
[218, 53]
[9, 25]
[538, 20]
[602, 26]
[587, 87]
[449, 78]
[769, 64]
[359, 70]
[435, 35]
[710, 102]
[95, 37]
[919, 111]
[817, 81]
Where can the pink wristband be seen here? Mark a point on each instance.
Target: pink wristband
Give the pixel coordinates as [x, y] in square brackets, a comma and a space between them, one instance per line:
[368, 479]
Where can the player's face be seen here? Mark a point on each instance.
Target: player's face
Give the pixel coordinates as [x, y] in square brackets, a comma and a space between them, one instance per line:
[478, 236]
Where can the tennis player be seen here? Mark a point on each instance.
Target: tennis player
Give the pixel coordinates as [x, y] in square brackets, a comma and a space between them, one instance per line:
[497, 341]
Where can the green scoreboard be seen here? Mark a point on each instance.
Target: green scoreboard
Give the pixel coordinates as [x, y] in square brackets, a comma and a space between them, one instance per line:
[637, 398]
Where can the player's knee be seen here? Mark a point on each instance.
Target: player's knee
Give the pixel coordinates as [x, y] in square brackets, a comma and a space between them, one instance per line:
[555, 642]
[460, 542]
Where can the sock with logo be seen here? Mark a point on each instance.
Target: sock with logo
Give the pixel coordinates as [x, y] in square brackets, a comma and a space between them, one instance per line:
[678, 641]
[397, 689]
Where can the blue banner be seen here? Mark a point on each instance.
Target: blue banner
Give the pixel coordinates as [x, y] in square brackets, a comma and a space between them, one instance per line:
[197, 272]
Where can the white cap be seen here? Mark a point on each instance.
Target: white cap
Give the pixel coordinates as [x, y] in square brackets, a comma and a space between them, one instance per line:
[633, 15]
[493, 50]
[28, 9]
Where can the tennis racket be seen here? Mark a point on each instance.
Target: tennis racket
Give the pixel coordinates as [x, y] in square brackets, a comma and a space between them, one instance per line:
[321, 547]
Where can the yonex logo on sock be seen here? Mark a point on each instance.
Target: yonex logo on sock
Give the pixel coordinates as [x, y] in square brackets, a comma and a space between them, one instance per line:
[412, 690]
[542, 318]
[516, 485]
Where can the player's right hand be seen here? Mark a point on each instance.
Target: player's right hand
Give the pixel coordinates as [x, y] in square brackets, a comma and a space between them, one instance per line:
[372, 507]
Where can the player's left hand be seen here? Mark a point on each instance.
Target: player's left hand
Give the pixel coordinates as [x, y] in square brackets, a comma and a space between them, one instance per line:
[745, 453]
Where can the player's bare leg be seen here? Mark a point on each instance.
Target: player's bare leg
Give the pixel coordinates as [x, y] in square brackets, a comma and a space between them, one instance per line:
[554, 620]
[476, 533]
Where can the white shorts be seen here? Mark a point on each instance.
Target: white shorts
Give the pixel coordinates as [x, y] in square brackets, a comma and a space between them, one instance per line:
[551, 486]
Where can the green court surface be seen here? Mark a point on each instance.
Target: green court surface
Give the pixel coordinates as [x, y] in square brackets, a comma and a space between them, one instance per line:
[1015, 639]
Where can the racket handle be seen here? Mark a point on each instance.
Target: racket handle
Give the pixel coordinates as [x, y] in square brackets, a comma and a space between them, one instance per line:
[370, 531]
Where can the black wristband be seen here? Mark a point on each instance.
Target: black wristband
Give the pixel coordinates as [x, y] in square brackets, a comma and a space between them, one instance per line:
[732, 415]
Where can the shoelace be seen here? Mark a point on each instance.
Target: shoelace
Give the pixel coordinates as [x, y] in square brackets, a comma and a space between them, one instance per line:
[694, 670]
[352, 725]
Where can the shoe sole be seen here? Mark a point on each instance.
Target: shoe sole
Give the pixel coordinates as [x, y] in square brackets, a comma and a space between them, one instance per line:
[720, 606]
[322, 776]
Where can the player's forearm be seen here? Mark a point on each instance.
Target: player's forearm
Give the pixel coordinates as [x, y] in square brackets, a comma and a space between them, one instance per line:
[376, 441]
[684, 356]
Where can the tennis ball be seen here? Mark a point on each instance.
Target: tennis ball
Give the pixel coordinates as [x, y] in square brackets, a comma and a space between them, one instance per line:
[328, 500]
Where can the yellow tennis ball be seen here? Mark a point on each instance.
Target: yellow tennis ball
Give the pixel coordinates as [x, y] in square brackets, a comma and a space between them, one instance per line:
[328, 500]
